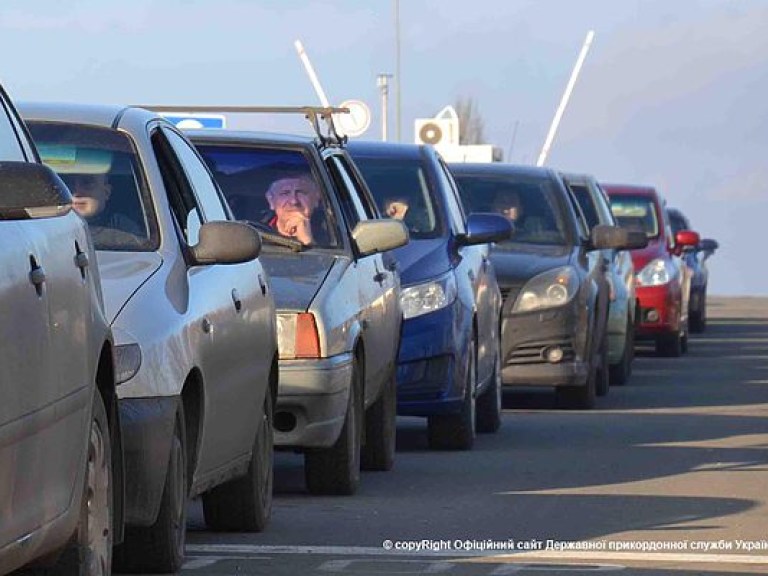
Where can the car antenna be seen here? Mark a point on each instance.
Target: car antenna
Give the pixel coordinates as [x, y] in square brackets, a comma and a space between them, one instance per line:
[313, 114]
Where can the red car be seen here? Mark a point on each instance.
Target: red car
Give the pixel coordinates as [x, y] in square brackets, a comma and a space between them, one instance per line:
[662, 279]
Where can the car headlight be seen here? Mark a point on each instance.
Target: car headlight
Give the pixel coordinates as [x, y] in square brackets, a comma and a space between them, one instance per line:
[428, 297]
[655, 273]
[548, 290]
[127, 362]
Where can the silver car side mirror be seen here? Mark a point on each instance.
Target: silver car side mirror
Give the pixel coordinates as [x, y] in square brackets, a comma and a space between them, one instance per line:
[372, 236]
[226, 243]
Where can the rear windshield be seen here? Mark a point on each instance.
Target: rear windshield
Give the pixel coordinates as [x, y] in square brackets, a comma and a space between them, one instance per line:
[531, 203]
[402, 190]
[102, 170]
[636, 213]
[270, 186]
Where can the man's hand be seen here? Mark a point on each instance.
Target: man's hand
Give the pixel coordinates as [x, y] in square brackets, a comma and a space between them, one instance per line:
[298, 226]
[397, 210]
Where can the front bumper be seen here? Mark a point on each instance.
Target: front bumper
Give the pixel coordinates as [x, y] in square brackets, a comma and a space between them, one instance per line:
[312, 401]
[526, 338]
[147, 426]
[428, 382]
[659, 311]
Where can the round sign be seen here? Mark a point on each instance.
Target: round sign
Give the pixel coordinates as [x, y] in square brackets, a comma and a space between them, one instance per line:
[357, 121]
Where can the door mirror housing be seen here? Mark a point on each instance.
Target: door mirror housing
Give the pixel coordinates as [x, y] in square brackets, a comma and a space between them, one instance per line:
[485, 228]
[372, 236]
[31, 190]
[604, 237]
[226, 242]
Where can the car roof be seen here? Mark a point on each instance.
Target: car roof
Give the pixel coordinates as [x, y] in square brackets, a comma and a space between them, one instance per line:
[104, 115]
[501, 168]
[629, 189]
[250, 136]
[386, 149]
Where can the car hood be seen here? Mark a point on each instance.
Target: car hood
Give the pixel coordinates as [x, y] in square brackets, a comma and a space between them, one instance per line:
[656, 249]
[421, 260]
[515, 265]
[122, 274]
[296, 278]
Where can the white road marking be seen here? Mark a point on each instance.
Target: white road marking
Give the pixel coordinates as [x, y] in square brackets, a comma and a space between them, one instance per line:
[479, 556]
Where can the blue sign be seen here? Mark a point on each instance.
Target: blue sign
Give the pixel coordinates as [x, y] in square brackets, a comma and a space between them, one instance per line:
[195, 121]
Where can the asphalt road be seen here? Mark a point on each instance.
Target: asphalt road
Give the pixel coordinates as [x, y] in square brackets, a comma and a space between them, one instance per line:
[666, 475]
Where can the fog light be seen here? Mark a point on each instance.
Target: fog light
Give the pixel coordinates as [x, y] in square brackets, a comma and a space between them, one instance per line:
[652, 315]
[553, 354]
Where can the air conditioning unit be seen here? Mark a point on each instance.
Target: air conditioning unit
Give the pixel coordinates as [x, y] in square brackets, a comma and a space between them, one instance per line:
[442, 130]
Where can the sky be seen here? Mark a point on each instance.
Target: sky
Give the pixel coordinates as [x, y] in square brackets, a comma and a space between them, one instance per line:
[671, 94]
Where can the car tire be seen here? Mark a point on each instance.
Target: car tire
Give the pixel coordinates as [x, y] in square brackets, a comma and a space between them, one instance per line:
[669, 345]
[89, 552]
[336, 470]
[619, 373]
[159, 549]
[489, 404]
[381, 429]
[698, 319]
[457, 431]
[245, 504]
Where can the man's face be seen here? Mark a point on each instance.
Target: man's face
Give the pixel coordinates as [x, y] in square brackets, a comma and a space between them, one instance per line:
[90, 192]
[293, 195]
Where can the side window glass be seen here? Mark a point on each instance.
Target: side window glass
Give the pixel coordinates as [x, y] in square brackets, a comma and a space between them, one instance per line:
[181, 198]
[200, 178]
[350, 204]
[453, 201]
[10, 147]
[362, 193]
[581, 222]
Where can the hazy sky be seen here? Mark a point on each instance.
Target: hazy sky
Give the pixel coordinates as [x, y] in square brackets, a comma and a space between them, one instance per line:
[672, 93]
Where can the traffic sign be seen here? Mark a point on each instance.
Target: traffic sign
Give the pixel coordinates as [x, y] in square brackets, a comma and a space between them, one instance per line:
[357, 121]
[195, 121]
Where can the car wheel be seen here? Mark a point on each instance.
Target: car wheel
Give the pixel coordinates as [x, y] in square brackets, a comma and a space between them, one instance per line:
[381, 429]
[89, 553]
[669, 345]
[457, 431]
[245, 504]
[698, 318]
[489, 404]
[336, 470]
[159, 549]
[619, 372]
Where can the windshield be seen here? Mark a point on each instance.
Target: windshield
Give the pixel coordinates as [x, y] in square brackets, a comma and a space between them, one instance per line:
[101, 169]
[275, 188]
[636, 213]
[530, 202]
[402, 191]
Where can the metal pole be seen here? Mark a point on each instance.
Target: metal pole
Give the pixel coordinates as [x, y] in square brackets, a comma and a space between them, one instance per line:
[311, 73]
[382, 80]
[398, 75]
[565, 98]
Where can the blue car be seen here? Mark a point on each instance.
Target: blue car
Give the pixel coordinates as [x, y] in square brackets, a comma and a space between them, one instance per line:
[448, 364]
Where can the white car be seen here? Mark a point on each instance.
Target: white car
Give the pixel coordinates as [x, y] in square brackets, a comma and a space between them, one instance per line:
[60, 462]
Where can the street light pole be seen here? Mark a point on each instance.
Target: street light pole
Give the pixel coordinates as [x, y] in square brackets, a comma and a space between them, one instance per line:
[382, 81]
[398, 75]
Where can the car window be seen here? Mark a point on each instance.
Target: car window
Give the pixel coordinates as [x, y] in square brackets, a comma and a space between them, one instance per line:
[636, 213]
[530, 201]
[250, 176]
[10, 147]
[677, 222]
[400, 180]
[201, 180]
[346, 192]
[453, 202]
[102, 170]
[586, 203]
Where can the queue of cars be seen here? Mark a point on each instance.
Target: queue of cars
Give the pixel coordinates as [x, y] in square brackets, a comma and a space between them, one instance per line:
[182, 304]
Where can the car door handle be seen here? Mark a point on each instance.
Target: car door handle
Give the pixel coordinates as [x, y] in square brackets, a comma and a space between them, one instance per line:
[36, 275]
[236, 299]
[380, 277]
[262, 285]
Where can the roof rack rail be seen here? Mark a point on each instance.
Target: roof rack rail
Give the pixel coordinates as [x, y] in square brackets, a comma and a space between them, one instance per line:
[314, 114]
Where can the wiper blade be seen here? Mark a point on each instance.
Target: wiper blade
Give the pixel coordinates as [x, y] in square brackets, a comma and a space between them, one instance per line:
[269, 236]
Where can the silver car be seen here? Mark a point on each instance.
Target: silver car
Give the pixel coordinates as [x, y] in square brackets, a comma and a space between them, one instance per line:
[193, 319]
[60, 461]
[339, 316]
[620, 274]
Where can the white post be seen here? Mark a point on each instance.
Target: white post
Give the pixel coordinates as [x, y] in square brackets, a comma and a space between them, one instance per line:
[565, 98]
[311, 73]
